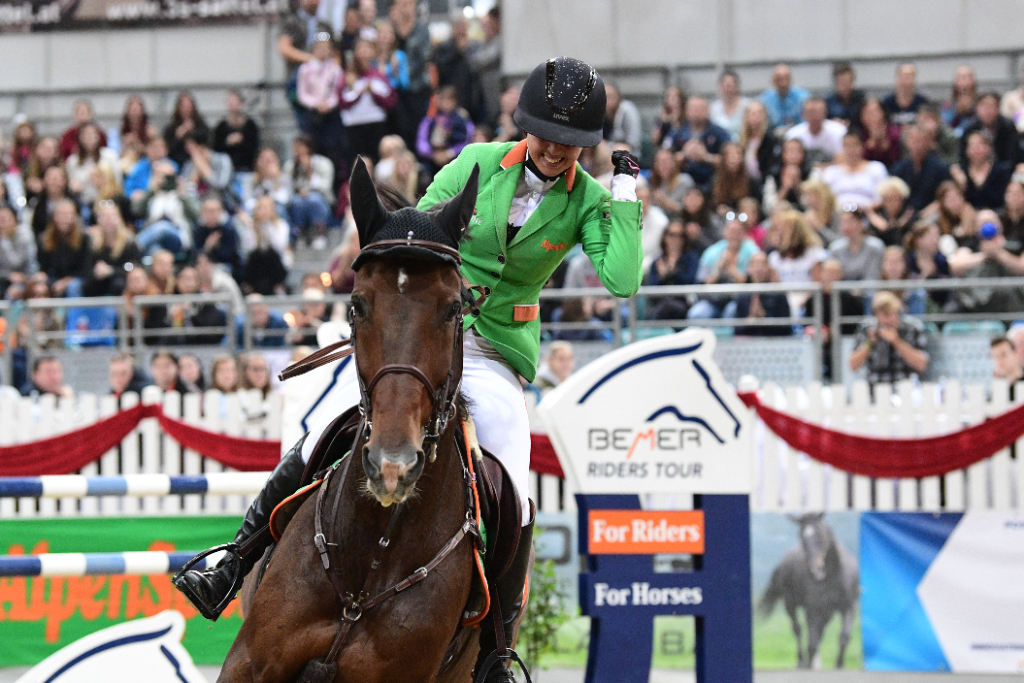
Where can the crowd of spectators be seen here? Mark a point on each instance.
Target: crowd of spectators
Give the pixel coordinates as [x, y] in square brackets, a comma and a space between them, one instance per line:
[782, 186]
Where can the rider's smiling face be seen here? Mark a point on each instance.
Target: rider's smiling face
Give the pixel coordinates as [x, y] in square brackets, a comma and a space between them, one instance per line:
[551, 158]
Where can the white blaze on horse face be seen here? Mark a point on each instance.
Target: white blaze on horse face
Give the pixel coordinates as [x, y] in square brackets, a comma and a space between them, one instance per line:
[403, 280]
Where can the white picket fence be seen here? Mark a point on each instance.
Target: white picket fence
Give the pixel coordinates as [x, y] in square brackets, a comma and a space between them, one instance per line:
[788, 481]
[146, 450]
[784, 480]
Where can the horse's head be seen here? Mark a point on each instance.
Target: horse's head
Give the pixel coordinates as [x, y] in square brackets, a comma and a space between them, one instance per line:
[817, 540]
[406, 316]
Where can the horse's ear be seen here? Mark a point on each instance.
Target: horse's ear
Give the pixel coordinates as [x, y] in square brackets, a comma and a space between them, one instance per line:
[367, 210]
[458, 210]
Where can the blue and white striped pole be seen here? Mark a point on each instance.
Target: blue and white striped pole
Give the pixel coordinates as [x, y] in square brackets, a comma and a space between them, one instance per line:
[79, 486]
[91, 564]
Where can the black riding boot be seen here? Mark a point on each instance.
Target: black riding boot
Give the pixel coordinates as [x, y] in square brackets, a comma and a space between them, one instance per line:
[207, 588]
[509, 591]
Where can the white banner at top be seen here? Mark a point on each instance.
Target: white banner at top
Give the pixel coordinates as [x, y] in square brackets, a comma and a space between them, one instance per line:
[656, 416]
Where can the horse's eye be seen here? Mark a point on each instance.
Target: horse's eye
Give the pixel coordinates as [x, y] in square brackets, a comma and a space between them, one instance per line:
[357, 309]
[453, 311]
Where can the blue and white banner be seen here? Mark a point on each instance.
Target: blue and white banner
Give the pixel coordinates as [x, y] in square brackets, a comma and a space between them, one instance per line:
[943, 592]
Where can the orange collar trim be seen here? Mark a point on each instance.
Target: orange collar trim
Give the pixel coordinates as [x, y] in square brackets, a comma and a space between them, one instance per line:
[517, 155]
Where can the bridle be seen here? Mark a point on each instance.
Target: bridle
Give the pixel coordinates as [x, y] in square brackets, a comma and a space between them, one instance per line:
[443, 398]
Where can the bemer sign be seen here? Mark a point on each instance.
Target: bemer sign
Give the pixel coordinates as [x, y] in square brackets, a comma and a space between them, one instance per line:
[655, 416]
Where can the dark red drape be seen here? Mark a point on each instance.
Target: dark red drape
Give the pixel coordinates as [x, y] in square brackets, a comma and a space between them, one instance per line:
[895, 458]
[542, 456]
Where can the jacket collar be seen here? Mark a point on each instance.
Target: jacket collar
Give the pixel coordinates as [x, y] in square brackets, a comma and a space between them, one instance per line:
[517, 155]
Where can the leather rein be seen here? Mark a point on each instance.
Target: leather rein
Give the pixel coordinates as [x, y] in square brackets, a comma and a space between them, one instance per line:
[443, 408]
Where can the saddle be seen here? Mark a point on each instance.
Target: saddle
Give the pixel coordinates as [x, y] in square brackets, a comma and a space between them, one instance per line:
[496, 497]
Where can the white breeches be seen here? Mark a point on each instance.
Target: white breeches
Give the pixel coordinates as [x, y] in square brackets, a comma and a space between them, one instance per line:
[497, 405]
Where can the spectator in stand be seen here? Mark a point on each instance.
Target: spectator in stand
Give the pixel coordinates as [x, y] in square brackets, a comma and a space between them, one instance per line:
[820, 209]
[822, 137]
[413, 38]
[161, 272]
[844, 102]
[724, 263]
[312, 177]
[622, 118]
[45, 155]
[114, 248]
[671, 118]
[855, 180]
[893, 217]
[224, 373]
[890, 344]
[207, 171]
[941, 139]
[452, 60]
[1006, 364]
[405, 178]
[654, 221]
[728, 111]
[265, 221]
[761, 148]
[831, 271]
[190, 375]
[17, 250]
[668, 186]
[390, 146]
[351, 30]
[55, 189]
[784, 102]
[65, 252]
[1012, 216]
[921, 169]
[701, 229]
[265, 271]
[124, 376]
[391, 61]
[486, 60]
[556, 367]
[237, 135]
[69, 140]
[763, 305]
[798, 254]
[924, 261]
[255, 373]
[675, 265]
[860, 253]
[956, 218]
[308, 318]
[750, 215]
[318, 84]
[998, 130]
[164, 370]
[505, 128]
[268, 181]
[441, 137]
[580, 310]
[792, 154]
[732, 183]
[137, 181]
[990, 260]
[216, 236]
[136, 130]
[698, 143]
[215, 280]
[366, 98]
[168, 212]
[960, 107]
[901, 104]
[985, 177]
[294, 42]
[47, 378]
[268, 327]
[87, 157]
[186, 119]
[894, 269]
[186, 316]
[137, 283]
[1012, 107]
[881, 138]
[23, 147]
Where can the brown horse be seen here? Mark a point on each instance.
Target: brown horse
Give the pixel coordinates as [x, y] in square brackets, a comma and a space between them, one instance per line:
[406, 311]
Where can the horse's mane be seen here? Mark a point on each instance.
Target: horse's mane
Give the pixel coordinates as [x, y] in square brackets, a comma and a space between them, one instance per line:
[392, 199]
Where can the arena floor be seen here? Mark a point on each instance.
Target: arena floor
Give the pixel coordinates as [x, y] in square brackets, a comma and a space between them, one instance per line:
[662, 676]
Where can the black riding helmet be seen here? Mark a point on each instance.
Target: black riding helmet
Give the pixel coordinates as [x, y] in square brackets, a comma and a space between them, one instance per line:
[563, 101]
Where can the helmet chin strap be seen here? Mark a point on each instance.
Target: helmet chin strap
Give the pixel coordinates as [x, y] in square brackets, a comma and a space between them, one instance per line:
[530, 164]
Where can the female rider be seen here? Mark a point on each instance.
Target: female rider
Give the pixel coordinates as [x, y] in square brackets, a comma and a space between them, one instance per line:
[534, 204]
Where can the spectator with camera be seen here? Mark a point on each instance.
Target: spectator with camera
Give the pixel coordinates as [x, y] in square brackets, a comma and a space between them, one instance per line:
[890, 344]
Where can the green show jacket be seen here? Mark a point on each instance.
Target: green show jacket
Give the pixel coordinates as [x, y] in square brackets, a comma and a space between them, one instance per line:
[577, 209]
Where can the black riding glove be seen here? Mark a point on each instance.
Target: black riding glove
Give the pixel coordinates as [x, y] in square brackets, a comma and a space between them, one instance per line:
[625, 163]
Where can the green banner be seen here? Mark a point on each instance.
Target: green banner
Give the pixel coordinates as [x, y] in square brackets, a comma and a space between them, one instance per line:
[39, 616]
